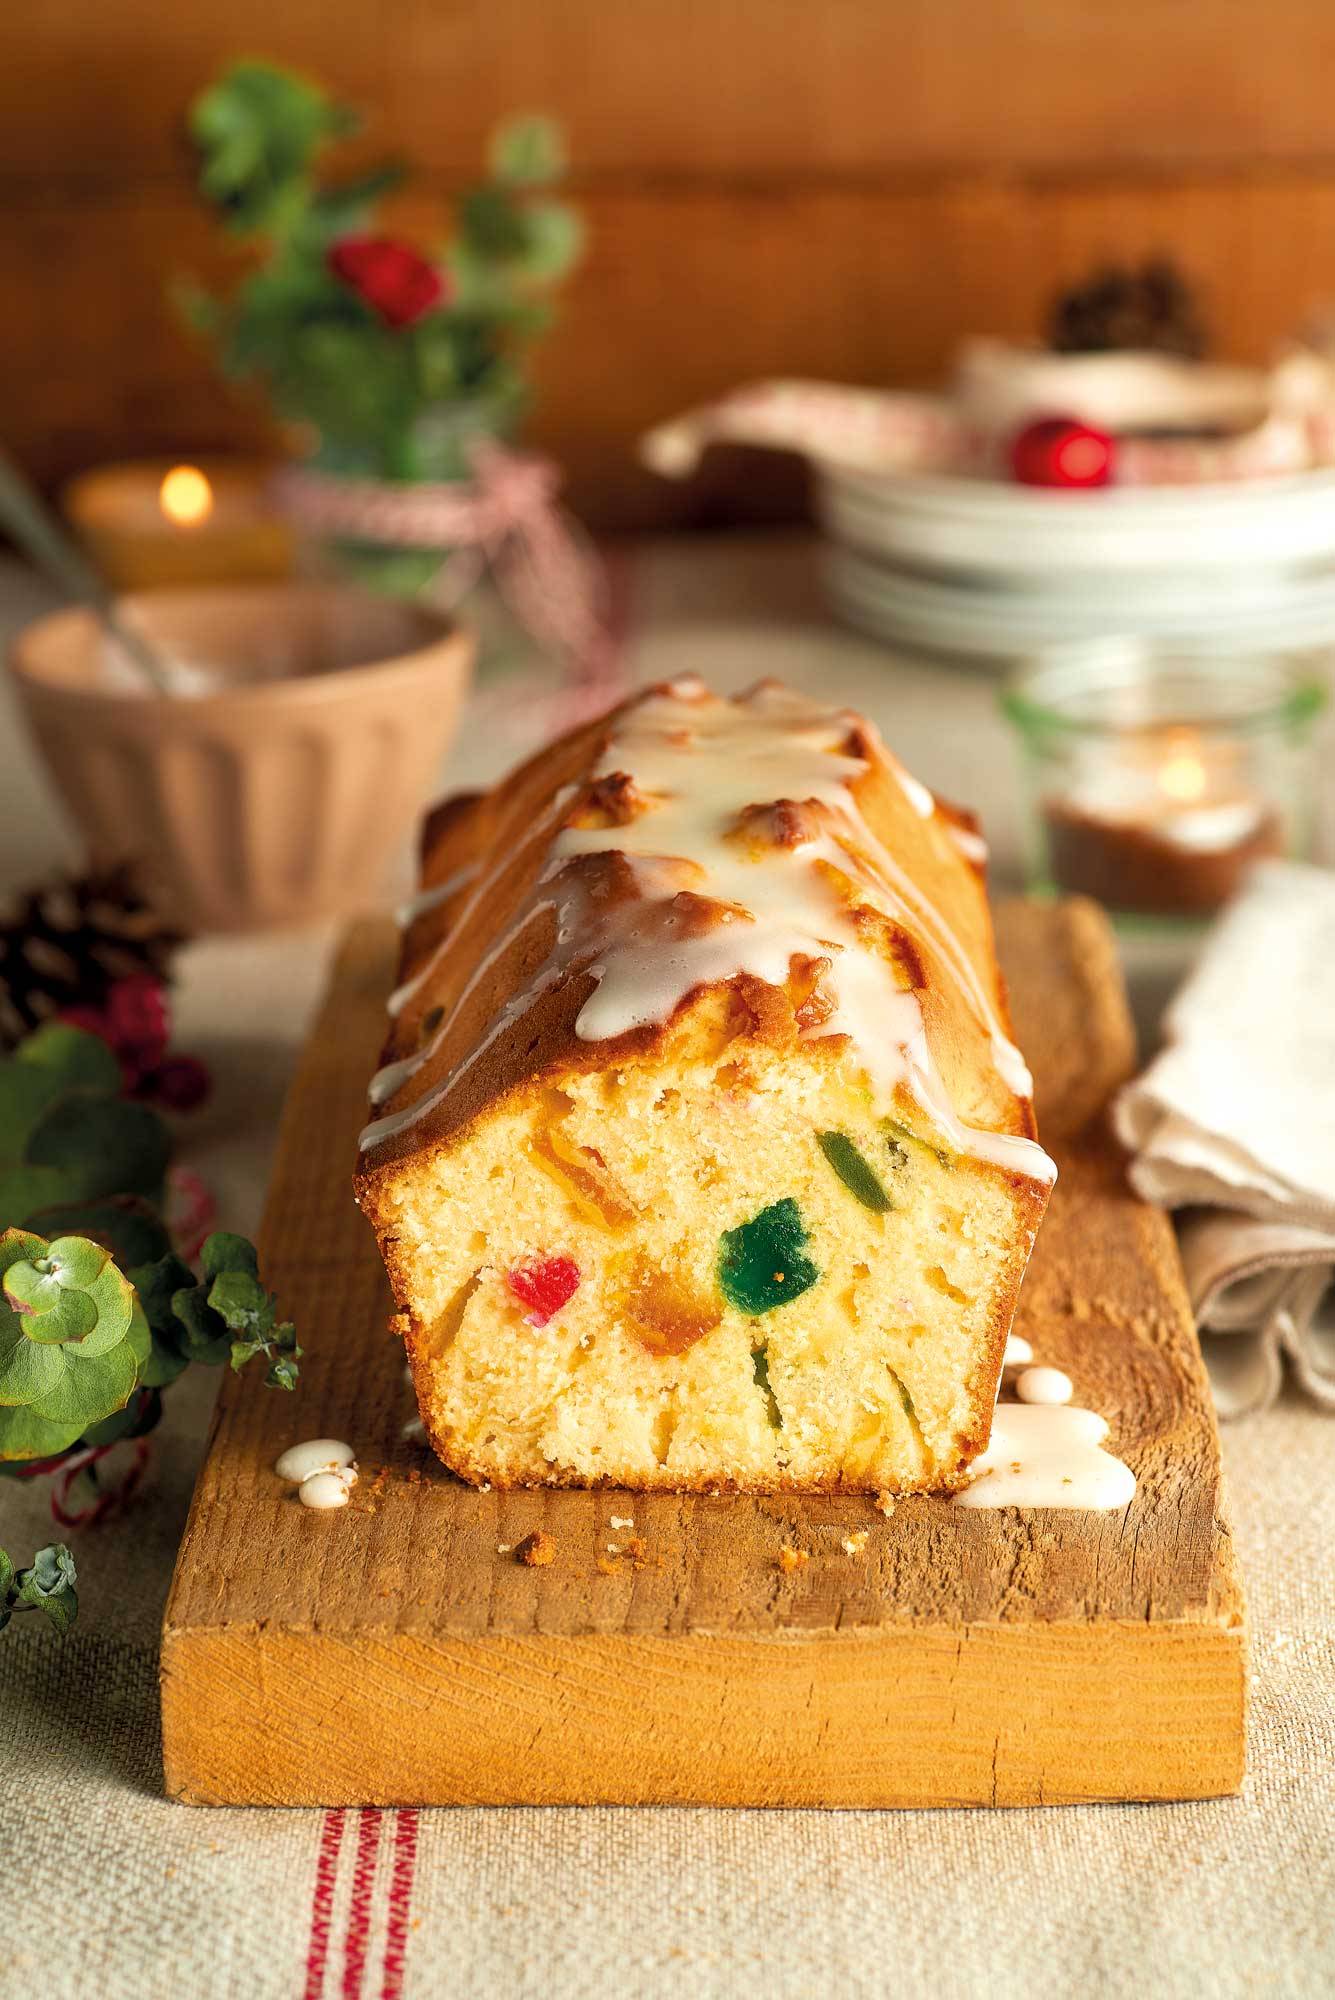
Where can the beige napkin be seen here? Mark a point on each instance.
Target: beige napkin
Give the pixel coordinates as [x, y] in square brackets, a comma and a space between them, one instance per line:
[1236, 1117]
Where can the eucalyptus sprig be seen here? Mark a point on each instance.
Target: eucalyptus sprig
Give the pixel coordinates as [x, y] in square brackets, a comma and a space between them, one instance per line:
[98, 1312]
[46, 1585]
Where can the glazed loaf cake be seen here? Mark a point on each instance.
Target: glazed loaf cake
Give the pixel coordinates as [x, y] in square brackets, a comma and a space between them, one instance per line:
[701, 1155]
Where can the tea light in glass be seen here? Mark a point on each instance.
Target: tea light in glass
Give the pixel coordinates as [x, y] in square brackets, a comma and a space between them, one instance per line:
[151, 522]
[1156, 780]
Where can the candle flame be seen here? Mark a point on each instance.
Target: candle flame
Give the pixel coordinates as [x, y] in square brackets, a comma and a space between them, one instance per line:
[1183, 777]
[185, 496]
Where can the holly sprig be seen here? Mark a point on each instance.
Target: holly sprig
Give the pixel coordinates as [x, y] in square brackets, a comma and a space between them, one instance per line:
[46, 1585]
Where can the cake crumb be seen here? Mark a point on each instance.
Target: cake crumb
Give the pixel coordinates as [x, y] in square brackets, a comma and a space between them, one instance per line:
[609, 1566]
[884, 1503]
[853, 1545]
[791, 1559]
[537, 1550]
[637, 1549]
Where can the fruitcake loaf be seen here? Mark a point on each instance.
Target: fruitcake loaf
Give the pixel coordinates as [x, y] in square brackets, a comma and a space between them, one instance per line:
[701, 1155]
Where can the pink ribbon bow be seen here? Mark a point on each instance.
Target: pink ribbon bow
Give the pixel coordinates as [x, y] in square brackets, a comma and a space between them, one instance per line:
[506, 522]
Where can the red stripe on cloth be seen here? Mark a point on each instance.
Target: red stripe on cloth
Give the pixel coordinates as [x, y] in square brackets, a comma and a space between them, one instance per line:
[400, 1901]
[359, 1914]
[326, 1872]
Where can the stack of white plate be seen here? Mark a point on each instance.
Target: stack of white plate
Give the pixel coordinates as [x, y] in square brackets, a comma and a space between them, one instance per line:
[992, 570]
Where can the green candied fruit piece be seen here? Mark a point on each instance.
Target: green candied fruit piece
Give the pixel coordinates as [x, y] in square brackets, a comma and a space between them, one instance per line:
[760, 1368]
[855, 1171]
[760, 1263]
[897, 1136]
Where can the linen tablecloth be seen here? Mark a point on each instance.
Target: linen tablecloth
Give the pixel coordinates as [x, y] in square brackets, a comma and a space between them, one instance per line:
[114, 1894]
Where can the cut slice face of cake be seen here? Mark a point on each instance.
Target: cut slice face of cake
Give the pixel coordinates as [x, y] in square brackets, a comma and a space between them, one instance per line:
[701, 1156]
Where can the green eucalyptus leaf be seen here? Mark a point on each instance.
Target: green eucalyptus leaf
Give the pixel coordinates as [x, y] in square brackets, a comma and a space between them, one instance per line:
[19, 1246]
[6, 1575]
[284, 1373]
[139, 1337]
[493, 224]
[76, 1059]
[25, 1434]
[126, 1225]
[89, 1390]
[157, 1284]
[27, 1192]
[527, 151]
[72, 1292]
[28, 1370]
[553, 240]
[259, 129]
[103, 1146]
[222, 1251]
[203, 1336]
[47, 1585]
[241, 1300]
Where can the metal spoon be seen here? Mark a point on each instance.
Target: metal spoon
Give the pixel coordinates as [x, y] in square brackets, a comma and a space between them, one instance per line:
[40, 535]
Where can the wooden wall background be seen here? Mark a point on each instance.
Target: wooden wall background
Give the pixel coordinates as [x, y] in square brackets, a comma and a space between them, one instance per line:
[833, 187]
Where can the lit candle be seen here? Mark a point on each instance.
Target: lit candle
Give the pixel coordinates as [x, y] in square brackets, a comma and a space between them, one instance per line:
[151, 522]
[1159, 822]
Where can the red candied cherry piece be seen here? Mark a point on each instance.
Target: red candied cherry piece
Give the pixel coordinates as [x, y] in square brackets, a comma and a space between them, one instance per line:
[544, 1285]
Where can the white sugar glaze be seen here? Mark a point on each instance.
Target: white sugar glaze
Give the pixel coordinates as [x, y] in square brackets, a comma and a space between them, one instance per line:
[1044, 1456]
[432, 898]
[699, 763]
[1051, 1386]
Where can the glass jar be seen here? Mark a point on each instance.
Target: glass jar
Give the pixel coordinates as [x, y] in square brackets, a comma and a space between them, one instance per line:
[1156, 778]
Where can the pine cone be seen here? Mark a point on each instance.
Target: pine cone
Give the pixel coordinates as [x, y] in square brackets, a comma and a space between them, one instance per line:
[67, 942]
[1123, 307]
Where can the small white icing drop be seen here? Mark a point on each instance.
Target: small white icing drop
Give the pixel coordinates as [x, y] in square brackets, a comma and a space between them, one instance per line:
[1040, 1456]
[970, 844]
[327, 1489]
[1044, 1385]
[914, 790]
[700, 764]
[301, 1461]
[1018, 1352]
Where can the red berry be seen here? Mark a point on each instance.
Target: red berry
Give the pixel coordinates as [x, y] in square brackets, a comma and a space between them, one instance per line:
[137, 1020]
[1061, 451]
[544, 1285]
[180, 1084]
[90, 1019]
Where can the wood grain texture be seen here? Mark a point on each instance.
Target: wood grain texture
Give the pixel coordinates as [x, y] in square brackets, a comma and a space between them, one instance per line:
[686, 291]
[395, 1653]
[839, 190]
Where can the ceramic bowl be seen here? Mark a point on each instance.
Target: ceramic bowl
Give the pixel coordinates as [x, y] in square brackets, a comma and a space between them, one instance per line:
[274, 788]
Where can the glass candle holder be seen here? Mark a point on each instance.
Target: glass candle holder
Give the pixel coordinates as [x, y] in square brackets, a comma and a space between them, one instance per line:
[1155, 779]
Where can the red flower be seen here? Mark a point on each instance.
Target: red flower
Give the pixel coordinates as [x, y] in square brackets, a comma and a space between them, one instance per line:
[393, 278]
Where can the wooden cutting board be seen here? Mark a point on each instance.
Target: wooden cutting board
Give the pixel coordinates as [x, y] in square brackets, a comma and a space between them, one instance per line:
[397, 1653]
